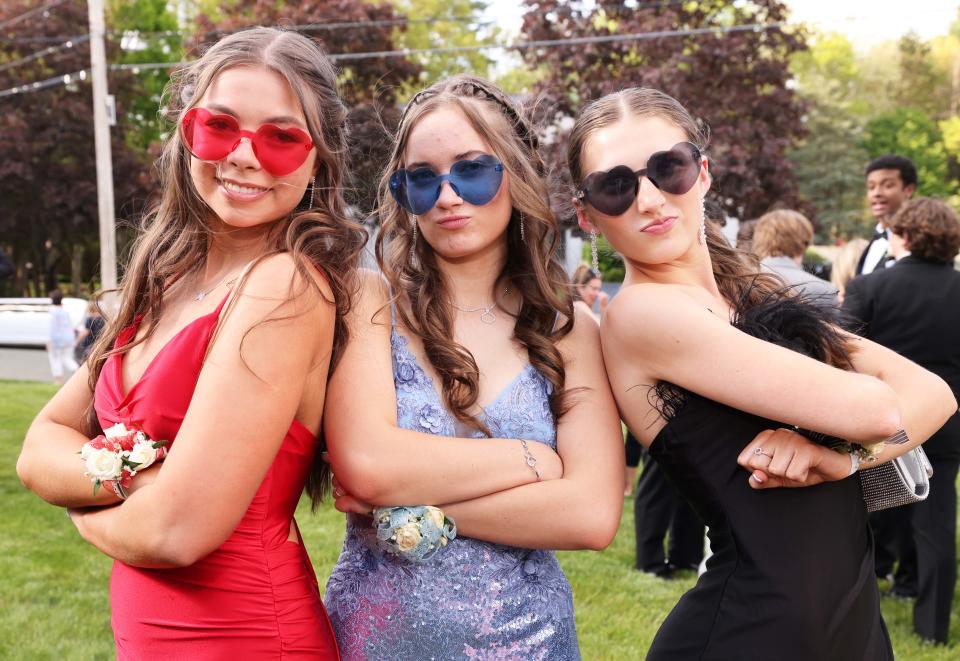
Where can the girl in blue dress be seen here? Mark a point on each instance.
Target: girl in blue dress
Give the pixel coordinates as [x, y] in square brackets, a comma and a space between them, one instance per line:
[469, 384]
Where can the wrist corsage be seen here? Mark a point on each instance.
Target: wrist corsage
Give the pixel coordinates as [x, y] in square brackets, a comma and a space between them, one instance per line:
[414, 533]
[114, 458]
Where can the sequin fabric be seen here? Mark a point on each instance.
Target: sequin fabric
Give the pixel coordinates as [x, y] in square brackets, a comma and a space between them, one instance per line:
[476, 600]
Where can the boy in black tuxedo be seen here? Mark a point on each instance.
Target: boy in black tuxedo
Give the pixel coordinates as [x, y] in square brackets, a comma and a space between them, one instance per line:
[914, 309]
[891, 181]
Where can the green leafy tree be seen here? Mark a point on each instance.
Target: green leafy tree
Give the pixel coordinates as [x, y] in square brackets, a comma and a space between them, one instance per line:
[148, 31]
[459, 25]
[921, 83]
[829, 161]
[912, 133]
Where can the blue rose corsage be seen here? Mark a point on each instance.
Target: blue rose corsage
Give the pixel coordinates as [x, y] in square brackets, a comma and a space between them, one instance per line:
[415, 533]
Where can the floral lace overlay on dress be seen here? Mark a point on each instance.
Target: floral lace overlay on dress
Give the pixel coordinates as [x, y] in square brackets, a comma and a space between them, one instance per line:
[476, 600]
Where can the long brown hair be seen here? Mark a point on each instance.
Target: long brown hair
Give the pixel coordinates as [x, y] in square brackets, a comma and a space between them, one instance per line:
[176, 232]
[738, 275]
[532, 268]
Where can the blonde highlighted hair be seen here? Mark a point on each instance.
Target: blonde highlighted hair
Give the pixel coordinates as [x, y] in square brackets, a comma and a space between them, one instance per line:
[782, 233]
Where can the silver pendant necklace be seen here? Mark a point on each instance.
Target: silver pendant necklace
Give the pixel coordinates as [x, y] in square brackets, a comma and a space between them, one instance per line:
[486, 312]
[202, 293]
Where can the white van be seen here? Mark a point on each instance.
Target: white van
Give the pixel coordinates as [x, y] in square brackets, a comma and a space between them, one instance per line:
[25, 322]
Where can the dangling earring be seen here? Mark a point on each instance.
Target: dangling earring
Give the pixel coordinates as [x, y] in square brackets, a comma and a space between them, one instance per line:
[593, 251]
[523, 234]
[313, 186]
[413, 240]
[703, 220]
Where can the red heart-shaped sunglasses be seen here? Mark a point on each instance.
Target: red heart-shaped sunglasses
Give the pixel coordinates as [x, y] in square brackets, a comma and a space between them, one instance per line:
[212, 137]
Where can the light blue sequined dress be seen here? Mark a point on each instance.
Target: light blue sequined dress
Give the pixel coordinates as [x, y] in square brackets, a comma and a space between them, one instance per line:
[475, 600]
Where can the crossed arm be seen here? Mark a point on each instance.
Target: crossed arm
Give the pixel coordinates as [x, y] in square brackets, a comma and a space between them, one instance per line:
[484, 483]
[653, 333]
[240, 412]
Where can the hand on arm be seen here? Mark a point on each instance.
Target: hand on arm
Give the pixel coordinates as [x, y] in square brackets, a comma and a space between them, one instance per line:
[246, 396]
[373, 458]
[784, 458]
[581, 509]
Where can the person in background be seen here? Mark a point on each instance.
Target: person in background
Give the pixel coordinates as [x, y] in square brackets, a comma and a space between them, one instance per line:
[587, 290]
[90, 330]
[914, 309]
[659, 513]
[780, 240]
[844, 265]
[634, 452]
[891, 181]
[60, 339]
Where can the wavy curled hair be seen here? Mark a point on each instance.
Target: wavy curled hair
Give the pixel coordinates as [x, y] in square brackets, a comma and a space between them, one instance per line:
[176, 232]
[532, 268]
[738, 275]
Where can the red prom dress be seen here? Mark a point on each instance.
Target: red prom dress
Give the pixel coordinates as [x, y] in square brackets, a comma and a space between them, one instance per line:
[255, 597]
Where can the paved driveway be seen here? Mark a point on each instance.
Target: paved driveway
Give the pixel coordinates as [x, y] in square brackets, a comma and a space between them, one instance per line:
[24, 364]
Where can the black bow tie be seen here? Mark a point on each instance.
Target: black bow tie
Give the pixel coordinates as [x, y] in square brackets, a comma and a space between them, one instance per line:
[879, 234]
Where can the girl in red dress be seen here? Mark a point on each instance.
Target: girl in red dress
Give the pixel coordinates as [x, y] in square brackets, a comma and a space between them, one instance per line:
[230, 318]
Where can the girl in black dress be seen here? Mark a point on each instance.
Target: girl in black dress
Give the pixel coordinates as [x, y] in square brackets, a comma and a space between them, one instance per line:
[706, 356]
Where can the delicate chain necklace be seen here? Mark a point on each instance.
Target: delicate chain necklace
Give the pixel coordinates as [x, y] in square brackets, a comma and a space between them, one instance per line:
[486, 312]
[202, 293]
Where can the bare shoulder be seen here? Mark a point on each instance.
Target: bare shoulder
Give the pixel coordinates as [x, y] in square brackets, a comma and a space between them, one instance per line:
[282, 275]
[647, 311]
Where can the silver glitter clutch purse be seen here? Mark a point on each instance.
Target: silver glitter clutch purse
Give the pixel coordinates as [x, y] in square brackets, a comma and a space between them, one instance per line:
[901, 481]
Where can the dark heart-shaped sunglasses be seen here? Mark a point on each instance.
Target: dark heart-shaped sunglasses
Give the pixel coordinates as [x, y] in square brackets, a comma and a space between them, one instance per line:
[612, 191]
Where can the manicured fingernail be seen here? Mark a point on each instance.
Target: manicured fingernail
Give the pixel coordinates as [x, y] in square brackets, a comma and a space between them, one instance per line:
[759, 477]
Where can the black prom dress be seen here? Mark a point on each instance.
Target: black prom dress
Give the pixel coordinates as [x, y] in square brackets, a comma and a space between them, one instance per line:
[791, 577]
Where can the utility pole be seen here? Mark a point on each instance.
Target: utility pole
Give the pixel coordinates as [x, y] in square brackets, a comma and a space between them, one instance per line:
[101, 131]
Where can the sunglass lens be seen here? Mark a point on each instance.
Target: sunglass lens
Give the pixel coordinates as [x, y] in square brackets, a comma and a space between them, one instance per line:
[477, 181]
[675, 171]
[613, 192]
[422, 189]
[281, 151]
[210, 137]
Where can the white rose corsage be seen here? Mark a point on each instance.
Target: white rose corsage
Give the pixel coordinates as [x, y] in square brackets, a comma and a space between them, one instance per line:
[415, 533]
[116, 456]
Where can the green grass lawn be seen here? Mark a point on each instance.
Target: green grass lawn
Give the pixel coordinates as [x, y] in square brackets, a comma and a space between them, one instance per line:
[54, 586]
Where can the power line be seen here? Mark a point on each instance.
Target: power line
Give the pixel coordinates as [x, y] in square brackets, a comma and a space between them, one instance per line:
[308, 27]
[569, 41]
[27, 14]
[44, 52]
[543, 43]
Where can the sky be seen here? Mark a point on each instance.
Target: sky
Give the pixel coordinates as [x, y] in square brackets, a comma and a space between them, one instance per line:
[865, 22]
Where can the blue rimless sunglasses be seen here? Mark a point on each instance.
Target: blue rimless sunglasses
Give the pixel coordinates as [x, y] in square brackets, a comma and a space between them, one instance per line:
[476, 181]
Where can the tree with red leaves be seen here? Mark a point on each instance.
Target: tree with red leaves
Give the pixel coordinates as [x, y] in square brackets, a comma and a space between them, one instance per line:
[369, 86]
[49, 218]
[734, 80]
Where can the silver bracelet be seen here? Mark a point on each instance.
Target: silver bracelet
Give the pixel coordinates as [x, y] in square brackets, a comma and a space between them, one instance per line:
[529, 459]
[898, 439]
